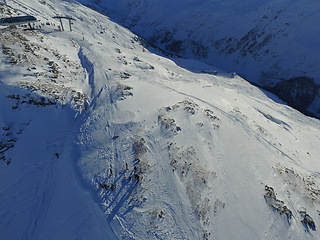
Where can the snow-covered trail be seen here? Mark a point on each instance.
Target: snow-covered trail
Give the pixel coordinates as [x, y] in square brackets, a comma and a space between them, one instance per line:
[43, 191]
[43, 194]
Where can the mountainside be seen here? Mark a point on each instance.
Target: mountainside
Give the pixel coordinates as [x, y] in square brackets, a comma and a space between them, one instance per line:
[105, 137]
[264, 41]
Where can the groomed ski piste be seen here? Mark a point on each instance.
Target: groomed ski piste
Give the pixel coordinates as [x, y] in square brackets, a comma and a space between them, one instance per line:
[105, 137]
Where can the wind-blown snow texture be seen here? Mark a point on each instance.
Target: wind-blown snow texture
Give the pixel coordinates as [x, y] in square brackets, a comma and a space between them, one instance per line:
[103, 137]
[264, 41]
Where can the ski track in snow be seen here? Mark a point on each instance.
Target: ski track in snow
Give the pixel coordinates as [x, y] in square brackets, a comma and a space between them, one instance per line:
[235, 120]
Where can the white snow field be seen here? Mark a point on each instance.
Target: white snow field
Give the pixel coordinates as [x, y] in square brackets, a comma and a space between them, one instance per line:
[105, 137]
[271, 43]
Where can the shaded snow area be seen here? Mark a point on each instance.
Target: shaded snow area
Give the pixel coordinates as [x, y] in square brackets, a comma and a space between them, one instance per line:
[264, 40]
[103, 137]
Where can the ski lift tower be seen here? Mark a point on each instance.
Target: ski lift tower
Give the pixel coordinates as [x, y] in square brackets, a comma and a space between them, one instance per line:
[65, 17]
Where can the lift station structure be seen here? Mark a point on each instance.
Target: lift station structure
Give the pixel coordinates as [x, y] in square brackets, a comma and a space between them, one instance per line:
[17, 20]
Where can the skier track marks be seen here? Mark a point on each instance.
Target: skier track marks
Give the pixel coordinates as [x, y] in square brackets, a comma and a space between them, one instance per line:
[44, 191]
[25, 6]
[167, 189]
[228, 115]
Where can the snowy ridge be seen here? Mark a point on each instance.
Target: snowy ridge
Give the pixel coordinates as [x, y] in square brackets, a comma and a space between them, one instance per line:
[104, 138]
[268, 42]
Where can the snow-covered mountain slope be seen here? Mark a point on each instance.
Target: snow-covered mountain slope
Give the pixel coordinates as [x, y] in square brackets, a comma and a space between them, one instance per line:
[104, 138]
[268, 42]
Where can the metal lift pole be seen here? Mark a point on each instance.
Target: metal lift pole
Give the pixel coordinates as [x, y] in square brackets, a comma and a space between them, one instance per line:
[70, 25]
[61, 24]
[66, 17]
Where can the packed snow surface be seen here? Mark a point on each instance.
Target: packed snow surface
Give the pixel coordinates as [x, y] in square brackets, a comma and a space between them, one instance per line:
[106, 137]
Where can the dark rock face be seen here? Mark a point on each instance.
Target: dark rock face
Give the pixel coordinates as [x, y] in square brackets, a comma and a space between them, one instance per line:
[307, 221]
[298, 92]
[276, 204]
